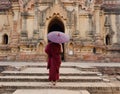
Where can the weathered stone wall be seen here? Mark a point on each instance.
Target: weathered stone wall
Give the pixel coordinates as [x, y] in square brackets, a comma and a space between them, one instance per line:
[93, 28]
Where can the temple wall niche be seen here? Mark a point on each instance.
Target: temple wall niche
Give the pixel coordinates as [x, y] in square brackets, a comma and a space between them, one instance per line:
[71, 49]
[4, 32]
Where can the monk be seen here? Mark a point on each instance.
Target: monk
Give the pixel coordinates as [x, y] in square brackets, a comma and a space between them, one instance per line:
[53, 51]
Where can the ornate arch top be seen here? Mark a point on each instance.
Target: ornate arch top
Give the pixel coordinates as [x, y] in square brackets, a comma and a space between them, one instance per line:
[56, 15]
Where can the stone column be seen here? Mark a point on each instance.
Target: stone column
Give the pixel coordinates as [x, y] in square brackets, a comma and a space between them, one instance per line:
[77, 16]
[97, 26]
[35, 21]
[69, 23]
[36, 31]
[90, 27]
[118, 28]
[24, 26]
[24, 23]
[90, 24]
[76, 21]
[14, 33]
[97, 19]
[16, 21]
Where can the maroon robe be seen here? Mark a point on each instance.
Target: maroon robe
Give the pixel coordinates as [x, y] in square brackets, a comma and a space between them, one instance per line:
[54, 60]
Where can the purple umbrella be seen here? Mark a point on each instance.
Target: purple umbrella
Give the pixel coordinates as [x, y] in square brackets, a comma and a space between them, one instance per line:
[58, 37]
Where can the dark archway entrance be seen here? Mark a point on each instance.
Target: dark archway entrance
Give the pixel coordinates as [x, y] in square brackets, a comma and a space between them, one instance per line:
[57, 25]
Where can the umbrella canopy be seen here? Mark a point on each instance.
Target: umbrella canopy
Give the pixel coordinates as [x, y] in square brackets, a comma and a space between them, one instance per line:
[58, 37]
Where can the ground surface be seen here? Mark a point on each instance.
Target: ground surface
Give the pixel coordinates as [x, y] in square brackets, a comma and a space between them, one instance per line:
[75, 78]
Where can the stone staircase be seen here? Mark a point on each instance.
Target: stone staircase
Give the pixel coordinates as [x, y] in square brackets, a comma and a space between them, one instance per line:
[33, 79]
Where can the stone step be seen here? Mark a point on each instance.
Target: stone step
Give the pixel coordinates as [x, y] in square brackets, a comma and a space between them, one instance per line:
[43, 74]
[7, 91]
[50, 91]
[85, 68]
[44, 71]
[61, 85]
[45, 78]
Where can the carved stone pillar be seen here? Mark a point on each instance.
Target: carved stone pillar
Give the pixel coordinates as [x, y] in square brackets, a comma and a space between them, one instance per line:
[36, 30]
[90, 32]
[24, 26]
[97, 26]
[118, 28]
[76, 21]
[90, 25]
[14, 33]
[97, 20]
[77, 16]
[14, 38]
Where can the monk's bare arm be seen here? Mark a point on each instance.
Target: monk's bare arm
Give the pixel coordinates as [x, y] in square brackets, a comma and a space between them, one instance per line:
[61, 48]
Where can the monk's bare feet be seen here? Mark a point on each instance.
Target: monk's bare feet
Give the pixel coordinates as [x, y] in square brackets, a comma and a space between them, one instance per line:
[53, 83]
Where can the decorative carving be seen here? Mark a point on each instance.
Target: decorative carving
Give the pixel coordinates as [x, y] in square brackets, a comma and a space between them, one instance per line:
[34, 19]
[23, 34]
[98, 1]
[26, 4]
[42, 18]
[70, 18]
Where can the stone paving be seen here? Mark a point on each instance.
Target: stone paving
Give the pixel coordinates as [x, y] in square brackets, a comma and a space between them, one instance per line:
[50, 91]
[76, 78]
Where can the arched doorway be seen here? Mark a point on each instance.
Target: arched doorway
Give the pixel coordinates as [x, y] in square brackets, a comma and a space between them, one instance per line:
[57, 25]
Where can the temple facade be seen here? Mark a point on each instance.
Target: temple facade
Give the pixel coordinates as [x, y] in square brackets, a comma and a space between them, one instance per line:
[93, 27]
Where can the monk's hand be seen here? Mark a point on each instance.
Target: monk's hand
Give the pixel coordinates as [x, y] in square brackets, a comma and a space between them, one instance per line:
[61, 48]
